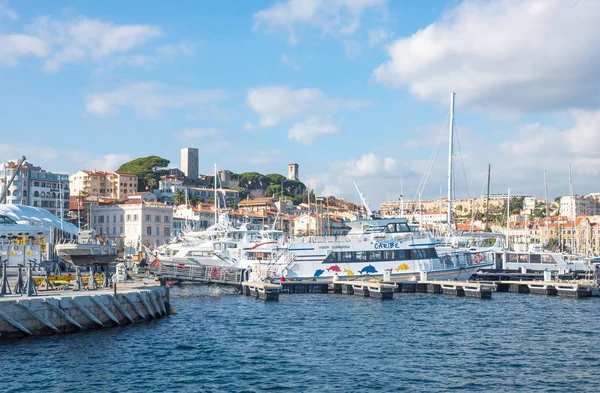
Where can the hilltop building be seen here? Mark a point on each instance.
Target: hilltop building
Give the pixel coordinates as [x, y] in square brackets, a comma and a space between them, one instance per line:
[33, 186]
[189, 162]
[293, 172]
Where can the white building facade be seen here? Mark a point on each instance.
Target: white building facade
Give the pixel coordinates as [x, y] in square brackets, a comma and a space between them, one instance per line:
[134, 222]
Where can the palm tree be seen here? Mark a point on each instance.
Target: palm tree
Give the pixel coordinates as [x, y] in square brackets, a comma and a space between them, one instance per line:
[150, 182]
[178, 197]
[194, 201]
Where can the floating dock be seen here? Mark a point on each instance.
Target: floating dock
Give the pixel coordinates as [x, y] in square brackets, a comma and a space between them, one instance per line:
[570, 289]
[268, 290]
[58, 312]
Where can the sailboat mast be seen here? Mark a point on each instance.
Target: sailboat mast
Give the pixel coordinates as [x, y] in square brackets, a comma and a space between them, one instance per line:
[216, 214]
[487, 201]
[508, 220]
[573, 211]
[546, 200]
[450, 154]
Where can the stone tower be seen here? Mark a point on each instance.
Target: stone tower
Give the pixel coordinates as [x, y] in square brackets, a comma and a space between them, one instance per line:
[293, 171]
[189, 162]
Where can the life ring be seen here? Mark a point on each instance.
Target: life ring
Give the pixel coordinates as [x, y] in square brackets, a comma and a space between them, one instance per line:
[477, 258]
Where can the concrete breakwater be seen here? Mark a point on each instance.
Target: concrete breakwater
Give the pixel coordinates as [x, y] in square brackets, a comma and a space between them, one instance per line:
[59, 312]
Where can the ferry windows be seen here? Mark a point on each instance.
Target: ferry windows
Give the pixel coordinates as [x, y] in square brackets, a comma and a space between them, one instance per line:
[535, 258]
[347, 257]
[361, 256]
[402, 255]
[403, 227]
[418, 254]
[388, 255]
[375, 256]
[512, 258]
[332, 258]
[547, 258]
[523, 258]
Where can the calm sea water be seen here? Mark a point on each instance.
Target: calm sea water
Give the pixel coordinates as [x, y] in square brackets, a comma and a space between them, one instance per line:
[325, 343]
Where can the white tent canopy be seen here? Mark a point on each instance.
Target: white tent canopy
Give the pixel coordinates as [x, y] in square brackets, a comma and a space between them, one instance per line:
[35, 215]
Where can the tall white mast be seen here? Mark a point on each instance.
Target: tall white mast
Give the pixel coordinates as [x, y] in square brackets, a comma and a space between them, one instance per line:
[508, 219]
[450, 154]
[216, 214]
[546, 200]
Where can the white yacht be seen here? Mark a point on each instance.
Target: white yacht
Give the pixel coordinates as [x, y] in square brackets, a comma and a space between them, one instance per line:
[372, 247]
[217, 247]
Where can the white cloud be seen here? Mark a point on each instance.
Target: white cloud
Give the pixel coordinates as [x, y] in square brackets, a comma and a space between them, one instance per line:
[109, 162]
[377, 36]
[310, 108]
[352, 48]
[192, 133]
[275, 104]
[278, 103]
[515, 55]
[10, 13]
[81, 39]
[370, 165]
[536, 145]
[285, 60]
[88, 39]
[150, 99]
[331, 17]
[314, 127]
[68, 161]
[178, 48]
[15, 46]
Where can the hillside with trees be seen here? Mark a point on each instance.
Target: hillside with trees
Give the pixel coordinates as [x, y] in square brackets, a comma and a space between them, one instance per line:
[147, 169]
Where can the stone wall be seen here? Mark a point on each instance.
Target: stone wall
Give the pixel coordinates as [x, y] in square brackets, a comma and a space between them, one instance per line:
[74, 311]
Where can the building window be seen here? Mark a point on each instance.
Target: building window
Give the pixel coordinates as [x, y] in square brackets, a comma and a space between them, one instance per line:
[35, 203]
[101, 230]
[128, 218]
[148, 218]
[114, 218]
[149, 230]
[157, 231]
[167, 231]
[114, 230]
[121, 230]
[167, 219]
[121, 220]
[156, 218]
[135, 217]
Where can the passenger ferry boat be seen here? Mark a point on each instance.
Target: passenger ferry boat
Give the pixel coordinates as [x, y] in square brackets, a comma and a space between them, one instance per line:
[372, 247]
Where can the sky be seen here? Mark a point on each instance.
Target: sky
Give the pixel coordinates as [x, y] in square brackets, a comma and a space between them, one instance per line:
[351, 90]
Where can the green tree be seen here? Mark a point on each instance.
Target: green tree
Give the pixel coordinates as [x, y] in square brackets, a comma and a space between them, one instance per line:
[145, 168]
[178, 197]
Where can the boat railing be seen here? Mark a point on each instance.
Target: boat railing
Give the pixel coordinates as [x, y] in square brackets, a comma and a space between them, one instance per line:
[382, 237]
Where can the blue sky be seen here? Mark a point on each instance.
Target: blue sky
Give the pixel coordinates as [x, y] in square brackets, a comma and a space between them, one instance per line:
[350, 89]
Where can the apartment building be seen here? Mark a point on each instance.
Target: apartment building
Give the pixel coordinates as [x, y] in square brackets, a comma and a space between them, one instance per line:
[573, 206]
[134, 222]
[115, 185]
[33, 186]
